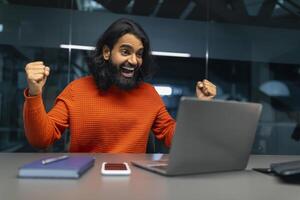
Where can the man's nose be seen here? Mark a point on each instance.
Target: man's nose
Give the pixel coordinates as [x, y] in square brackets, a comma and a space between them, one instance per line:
[133, 60]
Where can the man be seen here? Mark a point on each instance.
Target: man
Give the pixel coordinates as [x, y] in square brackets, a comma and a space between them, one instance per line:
[113, 110]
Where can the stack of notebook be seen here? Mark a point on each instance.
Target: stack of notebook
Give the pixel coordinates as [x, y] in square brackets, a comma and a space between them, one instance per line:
[63, 167]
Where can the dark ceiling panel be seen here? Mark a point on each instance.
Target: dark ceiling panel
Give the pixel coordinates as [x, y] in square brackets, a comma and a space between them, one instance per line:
[172, 9]
[267, 9]
[117, 6]
[142, 7]
[65, 4]
[296, 5]
[220, 11]
[200, 11]
[238, 6]
[225, 11]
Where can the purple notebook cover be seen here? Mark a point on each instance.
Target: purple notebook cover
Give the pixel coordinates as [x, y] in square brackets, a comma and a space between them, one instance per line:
[73, 165]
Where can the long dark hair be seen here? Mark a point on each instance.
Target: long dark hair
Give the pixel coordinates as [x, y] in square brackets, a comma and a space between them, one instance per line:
[99, 68]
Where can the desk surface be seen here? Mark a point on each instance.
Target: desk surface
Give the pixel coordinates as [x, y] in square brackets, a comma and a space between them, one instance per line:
[241, 185]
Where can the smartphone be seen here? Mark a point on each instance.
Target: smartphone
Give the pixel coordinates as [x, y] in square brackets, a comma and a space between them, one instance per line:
[115, 168]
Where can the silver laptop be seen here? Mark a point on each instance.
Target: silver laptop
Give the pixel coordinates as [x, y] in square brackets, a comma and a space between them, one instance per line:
[210, 136]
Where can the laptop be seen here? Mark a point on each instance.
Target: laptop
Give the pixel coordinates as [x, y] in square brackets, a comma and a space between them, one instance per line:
[210, 136]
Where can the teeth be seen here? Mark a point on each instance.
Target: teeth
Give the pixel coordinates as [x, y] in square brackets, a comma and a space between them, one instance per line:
[129, 68]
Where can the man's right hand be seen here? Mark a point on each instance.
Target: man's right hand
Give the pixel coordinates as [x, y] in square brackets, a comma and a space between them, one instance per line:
[37, 74]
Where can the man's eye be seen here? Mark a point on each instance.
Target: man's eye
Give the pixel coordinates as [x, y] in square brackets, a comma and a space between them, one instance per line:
[139, 55]
[124, 52]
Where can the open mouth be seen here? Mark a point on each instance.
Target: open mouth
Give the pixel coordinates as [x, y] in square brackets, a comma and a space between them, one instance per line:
[127, 72]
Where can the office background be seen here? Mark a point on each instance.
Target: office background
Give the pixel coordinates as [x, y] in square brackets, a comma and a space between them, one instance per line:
[249, 48]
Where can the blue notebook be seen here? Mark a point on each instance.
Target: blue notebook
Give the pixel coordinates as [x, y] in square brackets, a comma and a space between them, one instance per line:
[72, 167]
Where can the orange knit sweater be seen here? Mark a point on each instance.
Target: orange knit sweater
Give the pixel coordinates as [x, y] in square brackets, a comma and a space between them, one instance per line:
[114, 121]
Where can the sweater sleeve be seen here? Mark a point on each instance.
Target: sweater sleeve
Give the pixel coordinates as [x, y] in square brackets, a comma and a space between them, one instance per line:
[42, 129]
[164, 126]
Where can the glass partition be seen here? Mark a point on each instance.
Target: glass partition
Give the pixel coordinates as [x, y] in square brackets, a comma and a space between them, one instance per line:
[30, 33]
[249, 49]
[254, 56]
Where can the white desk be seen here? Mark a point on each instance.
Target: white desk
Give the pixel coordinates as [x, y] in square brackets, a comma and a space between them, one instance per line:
[241, 185]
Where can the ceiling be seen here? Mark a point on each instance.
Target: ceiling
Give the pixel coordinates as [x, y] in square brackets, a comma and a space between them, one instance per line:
[274, 13]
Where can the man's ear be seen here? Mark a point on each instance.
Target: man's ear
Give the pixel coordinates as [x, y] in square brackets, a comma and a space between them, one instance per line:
[106, 52]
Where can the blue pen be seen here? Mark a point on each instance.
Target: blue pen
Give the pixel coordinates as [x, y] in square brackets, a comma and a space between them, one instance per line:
[51, 160]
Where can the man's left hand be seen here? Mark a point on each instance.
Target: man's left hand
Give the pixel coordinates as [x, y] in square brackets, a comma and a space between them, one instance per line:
[205, 90]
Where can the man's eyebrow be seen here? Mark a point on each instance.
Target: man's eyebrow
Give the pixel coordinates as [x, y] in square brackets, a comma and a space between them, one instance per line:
[126, 45]
[130, 46]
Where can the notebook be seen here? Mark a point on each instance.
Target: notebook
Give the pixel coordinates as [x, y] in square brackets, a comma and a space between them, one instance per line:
[289, 168]
[287, 171]
[72, 167]
[210, 136]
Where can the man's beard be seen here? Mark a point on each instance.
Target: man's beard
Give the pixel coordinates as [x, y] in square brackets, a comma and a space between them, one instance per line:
[119, 80]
